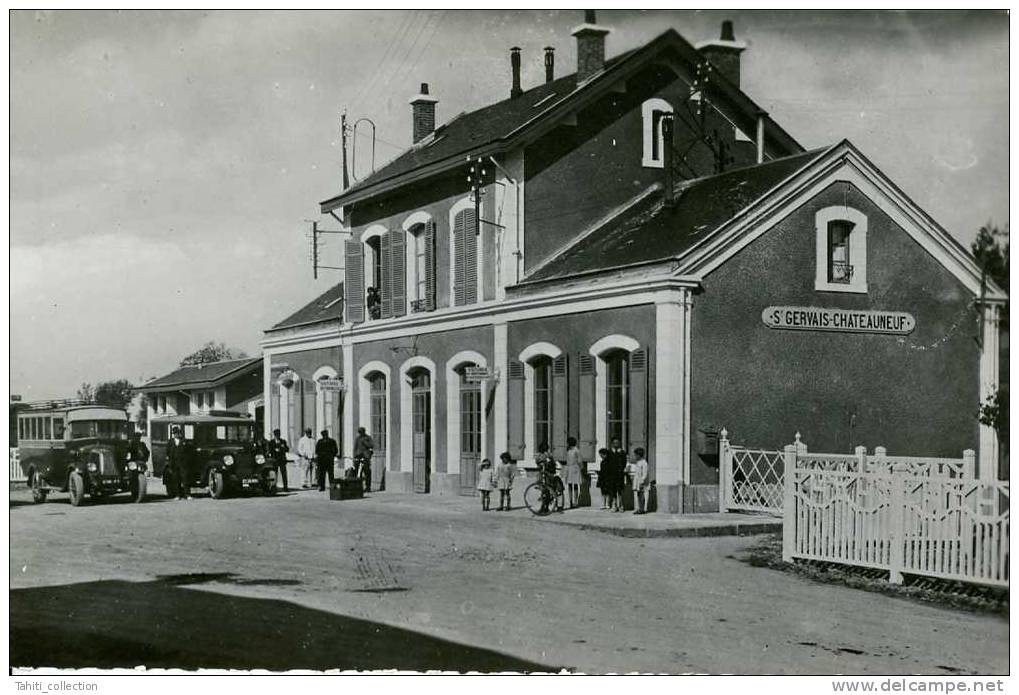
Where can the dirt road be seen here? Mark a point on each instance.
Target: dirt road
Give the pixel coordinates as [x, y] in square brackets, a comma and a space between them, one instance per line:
[418, 582]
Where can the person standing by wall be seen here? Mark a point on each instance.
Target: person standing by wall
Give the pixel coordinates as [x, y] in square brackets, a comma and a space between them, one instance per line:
[306, 458]
[604, 478]
[325, 454]
[617, 467]
[639, 475]
[505, 474]
[364, 448]
[573, 471]
[277, 450]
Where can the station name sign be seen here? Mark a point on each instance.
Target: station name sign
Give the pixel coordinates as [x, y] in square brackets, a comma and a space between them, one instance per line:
[330, 385]
[810, 318]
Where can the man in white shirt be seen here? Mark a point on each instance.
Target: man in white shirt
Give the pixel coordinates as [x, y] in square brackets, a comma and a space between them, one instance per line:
[639, 473]
[306, 458]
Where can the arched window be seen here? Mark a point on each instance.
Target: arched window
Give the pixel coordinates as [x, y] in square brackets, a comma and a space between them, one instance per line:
[470, 417]
[542, 401]
[421, 268]
[617, 392]
[652, 111]
[373, 293]
[377, 412]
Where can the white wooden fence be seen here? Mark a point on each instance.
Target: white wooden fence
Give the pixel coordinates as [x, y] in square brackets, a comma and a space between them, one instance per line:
[17, 476]
[908, 515]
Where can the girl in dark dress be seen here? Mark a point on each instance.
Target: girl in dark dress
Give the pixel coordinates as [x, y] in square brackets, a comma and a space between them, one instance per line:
[605, 479]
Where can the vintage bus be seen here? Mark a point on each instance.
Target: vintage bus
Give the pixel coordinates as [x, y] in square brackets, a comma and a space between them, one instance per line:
[79, 449]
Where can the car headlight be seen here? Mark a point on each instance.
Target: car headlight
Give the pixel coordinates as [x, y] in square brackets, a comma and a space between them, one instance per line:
[132, 466]
[228, 460]
[93, 467]
[259, 459]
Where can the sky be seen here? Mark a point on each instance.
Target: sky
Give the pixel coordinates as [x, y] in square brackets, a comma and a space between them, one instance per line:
[165, 165]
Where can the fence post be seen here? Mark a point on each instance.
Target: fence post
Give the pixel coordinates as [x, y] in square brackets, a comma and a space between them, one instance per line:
[969, 465]
[724, 466]
[861, 459]
[789, 501]
[896, 515]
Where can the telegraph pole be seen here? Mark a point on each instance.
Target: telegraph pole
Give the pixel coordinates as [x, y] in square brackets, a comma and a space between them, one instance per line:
[342, 140]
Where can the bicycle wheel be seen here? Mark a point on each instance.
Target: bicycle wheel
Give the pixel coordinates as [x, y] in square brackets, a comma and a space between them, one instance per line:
[537, 499]
[560, 494]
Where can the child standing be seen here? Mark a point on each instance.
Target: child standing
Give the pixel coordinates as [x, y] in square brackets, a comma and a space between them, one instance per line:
[486, 483]
[574, 472]
[605, 479]
[504, 476]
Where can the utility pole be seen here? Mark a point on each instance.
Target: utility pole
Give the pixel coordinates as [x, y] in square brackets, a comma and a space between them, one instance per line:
[343, 144]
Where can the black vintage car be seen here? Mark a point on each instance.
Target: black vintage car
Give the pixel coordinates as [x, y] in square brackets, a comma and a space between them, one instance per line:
[221, 453]
[80, 449]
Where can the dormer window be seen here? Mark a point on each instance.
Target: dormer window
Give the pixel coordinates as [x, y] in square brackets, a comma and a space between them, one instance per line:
[652, 112]
[841, 250]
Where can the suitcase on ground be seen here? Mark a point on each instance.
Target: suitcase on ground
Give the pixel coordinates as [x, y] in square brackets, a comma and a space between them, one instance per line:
[347, 489]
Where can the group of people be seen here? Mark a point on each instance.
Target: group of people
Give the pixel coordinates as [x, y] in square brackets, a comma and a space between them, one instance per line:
[315, 459]
[615, 466]
[499, 478]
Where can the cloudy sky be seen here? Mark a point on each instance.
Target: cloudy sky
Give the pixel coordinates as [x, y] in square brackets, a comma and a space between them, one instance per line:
[163, 164]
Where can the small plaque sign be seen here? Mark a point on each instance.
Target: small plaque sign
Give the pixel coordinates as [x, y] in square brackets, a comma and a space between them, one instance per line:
[811, 318]
[331, 384]
[477, 374]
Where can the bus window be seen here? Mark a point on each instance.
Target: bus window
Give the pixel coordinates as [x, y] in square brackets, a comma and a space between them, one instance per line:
[83, 430]
[21, 428]
[46, 428]
[58, 428]
[189, 432]
[34, 426]
[221, 432]
[159, 431]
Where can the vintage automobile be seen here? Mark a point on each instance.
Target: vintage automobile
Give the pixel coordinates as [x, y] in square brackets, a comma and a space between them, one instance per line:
[80, 449]
[220, 445]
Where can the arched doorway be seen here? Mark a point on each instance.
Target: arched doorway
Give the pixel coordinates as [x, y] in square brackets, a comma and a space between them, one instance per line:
[617, 397]
[377, 427]
[470, 414]
[421, 427]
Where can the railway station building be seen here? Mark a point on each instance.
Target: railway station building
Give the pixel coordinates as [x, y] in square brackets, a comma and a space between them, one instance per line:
[634, 250]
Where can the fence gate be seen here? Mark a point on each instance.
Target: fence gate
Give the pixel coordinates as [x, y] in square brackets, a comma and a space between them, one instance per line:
[751, 480]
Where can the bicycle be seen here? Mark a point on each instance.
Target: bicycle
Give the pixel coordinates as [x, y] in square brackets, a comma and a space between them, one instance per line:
[542, 496]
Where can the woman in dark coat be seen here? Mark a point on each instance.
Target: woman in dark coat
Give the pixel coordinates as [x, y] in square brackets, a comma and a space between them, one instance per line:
[604, 479]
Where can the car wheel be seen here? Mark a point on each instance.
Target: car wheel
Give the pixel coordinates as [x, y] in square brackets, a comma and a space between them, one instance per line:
[139, 488]
[76, 486]
[38, 492]
[217, 485]
[169, 483]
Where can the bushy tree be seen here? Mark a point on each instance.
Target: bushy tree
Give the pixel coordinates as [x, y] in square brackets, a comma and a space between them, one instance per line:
[116, 394]
[86, 393]
[212, 352]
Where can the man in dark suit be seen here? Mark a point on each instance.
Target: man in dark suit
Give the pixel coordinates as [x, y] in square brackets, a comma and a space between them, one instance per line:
[325, 453]
[178, 459]
[617, 465]
[277, 450]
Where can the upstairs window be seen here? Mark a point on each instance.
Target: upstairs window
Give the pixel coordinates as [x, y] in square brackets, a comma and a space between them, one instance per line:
[652, 111]
[841, 250]
[465, 258]
[421, 266]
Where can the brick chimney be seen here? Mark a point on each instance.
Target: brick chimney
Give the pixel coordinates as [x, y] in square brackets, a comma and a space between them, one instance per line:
[724, 53]
[515, 90]
[549, 64]
[590, 46]
[423, 106]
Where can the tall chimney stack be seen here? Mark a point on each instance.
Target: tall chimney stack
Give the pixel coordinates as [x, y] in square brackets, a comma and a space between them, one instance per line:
[724, 53]
[549, 64]
[423, 107]
[515, 90]
[590, 46]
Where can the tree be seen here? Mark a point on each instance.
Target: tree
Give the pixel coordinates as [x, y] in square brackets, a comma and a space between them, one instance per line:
[991, 256]
[212, 352]
[86, 393]
[116, 394]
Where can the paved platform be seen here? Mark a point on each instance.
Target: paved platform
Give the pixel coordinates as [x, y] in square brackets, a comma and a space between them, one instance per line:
[626, 524]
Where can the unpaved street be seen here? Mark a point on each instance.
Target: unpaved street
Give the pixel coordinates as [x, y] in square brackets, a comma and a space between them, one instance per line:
[419, 582]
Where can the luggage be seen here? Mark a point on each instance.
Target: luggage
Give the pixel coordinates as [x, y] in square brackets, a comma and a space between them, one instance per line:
[347, 489]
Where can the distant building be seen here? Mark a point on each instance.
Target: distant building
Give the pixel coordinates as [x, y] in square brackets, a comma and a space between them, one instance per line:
[234, 385]
[635, 251]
